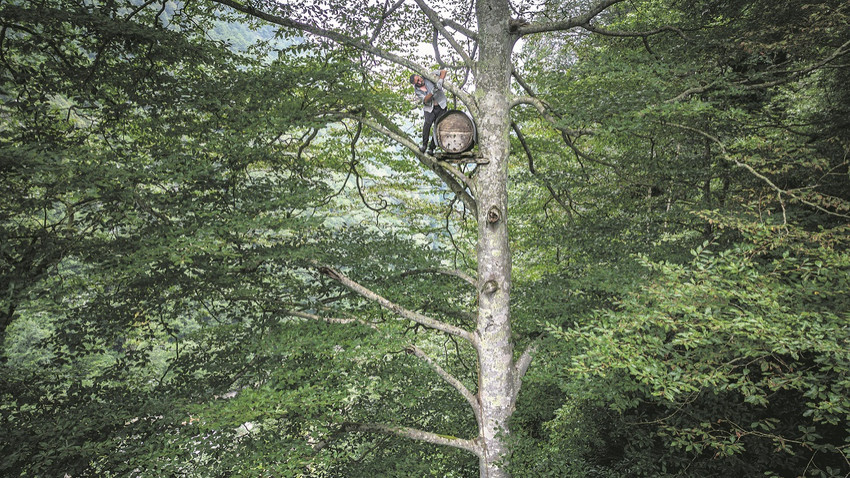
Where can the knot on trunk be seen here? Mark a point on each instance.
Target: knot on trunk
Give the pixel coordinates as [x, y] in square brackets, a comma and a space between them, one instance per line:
[494, 215]
[490, 287]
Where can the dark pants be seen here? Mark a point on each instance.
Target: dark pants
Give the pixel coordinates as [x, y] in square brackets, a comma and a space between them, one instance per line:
[430, 118]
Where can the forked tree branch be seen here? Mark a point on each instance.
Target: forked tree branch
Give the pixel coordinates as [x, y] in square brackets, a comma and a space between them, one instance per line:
[438, 24]
[533, 170]
[384, 16]
[520, 368]
[403, 312]
[471, 399]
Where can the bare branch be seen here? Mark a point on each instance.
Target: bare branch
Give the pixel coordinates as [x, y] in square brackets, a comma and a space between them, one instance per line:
[406, 313]
[407, 432]
[321, 32]
[459, 28]
[521, 366]
[471, 399]
[358, 180]
[438, 24]
[380, 25]
[525, 86]
[573, 22]
[533, 171]
[691, 91]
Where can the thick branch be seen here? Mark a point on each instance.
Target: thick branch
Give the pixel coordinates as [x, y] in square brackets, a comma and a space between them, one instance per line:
[691, 91]
[406, 313]
[414, 434]
[569, 23]
[460, 28]
[471, 399]
[521, 366]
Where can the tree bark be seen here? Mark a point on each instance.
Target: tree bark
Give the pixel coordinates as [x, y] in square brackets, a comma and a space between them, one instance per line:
[493, 331]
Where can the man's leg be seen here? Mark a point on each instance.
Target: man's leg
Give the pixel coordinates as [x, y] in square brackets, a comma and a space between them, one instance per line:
[426, 130]
[435, 115]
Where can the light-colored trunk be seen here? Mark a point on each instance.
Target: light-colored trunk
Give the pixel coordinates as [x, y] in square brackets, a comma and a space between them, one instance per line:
[495, 348]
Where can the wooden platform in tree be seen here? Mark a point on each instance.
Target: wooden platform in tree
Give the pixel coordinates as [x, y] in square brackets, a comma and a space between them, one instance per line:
[467, 157]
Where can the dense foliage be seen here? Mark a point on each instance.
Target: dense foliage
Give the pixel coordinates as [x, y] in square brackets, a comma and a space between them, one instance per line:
[172, 176]
[704, 223]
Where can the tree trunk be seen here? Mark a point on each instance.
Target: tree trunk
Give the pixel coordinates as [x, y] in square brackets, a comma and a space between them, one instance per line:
[493, 332]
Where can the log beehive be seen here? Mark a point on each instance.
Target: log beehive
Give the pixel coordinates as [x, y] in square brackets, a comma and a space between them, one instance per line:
[455, 132]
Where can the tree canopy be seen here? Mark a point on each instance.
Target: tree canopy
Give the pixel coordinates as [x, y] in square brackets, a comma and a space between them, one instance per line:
[222, 253]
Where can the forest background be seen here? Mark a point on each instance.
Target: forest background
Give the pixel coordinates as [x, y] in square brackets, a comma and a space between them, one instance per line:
[221, 253]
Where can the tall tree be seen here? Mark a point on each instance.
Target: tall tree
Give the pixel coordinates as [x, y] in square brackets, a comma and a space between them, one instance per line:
[208, 313]
[491, 28]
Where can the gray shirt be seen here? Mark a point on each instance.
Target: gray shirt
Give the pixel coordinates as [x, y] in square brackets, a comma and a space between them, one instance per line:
[439, 96]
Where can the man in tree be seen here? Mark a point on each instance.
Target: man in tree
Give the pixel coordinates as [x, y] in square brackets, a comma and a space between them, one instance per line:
[434, 104]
